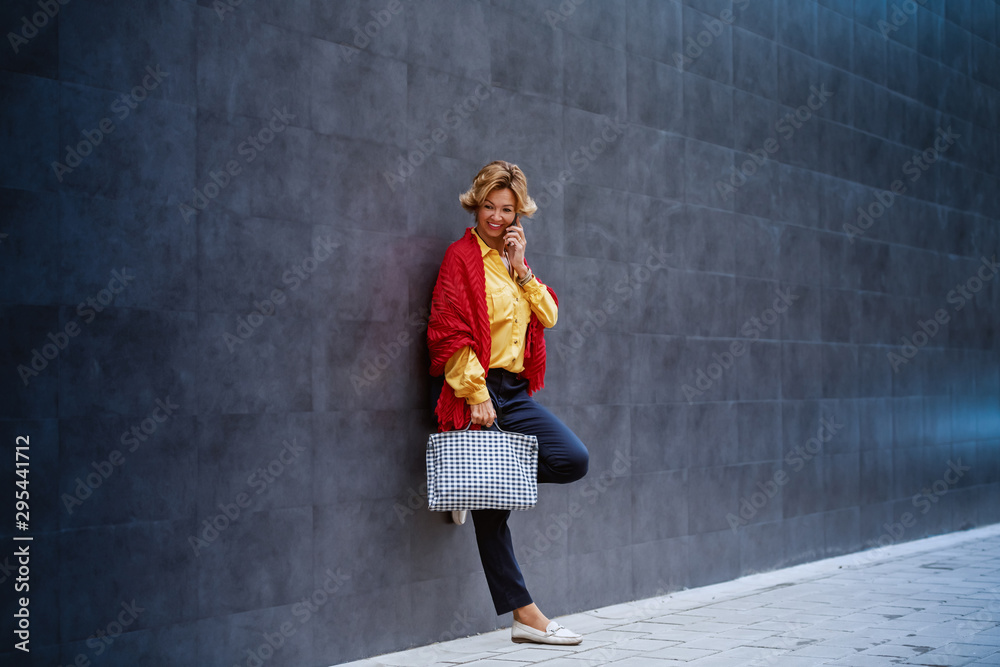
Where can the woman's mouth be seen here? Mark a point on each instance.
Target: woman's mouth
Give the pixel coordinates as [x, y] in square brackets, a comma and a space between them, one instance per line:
[492, 226]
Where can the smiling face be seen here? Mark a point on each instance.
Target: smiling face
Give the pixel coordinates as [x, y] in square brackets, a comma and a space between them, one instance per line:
[494, 216]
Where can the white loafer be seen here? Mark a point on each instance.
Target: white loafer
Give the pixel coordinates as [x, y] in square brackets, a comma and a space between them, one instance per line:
[458, 516]
[554, 634]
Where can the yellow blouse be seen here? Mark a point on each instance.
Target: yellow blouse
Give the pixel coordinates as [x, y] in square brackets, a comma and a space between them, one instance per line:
[509, 307]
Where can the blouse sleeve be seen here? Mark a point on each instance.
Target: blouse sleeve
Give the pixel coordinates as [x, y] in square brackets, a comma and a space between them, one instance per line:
[465, 375]
[542, 304]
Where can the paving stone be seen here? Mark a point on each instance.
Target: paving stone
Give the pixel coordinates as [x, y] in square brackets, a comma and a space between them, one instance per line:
[640, 662]
[646, 645]
[594, 658]
[788, 661]
[477, 658]
[738, 656]
[984, 638]
[533, 654]
[680, 653]
[710, 627]
[664, 631]
[893, 650]
[717, 643]
[676, 619]
[864, 661]
[893, 612]
[490, 662]
[615, 635]
[781, 626]
[928, 660]
[972, 650]
[827, 651]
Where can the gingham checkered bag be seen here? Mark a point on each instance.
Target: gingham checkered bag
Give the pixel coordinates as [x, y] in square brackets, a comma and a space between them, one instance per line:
[474, 470]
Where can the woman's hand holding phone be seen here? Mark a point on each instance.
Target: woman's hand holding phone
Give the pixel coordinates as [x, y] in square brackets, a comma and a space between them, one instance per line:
[514, 243]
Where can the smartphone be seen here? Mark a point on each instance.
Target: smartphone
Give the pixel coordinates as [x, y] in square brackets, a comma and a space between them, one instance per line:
[516, 223]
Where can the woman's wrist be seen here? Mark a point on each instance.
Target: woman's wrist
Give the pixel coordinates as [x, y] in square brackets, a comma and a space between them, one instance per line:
[524, 279]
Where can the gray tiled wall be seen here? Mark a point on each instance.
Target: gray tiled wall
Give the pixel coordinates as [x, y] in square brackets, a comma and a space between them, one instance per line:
[276, 511]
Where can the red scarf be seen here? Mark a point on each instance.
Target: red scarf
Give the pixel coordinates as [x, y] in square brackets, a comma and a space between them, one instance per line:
[459, 317]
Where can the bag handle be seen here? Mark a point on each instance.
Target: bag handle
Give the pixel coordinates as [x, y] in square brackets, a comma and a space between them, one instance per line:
[495, 421]
[469, 425]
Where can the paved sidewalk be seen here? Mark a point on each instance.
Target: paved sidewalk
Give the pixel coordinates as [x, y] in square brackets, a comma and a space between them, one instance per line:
[930, 602]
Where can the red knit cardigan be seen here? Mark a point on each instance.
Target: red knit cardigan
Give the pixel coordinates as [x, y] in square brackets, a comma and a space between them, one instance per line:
[459, 317]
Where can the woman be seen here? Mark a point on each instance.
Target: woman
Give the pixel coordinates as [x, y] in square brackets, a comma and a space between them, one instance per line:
[485, 336]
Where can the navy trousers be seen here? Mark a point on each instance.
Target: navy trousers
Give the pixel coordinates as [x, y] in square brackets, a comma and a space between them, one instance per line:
[562, 458]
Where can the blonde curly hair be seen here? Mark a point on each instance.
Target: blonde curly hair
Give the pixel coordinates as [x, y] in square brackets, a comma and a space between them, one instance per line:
[499, 174]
